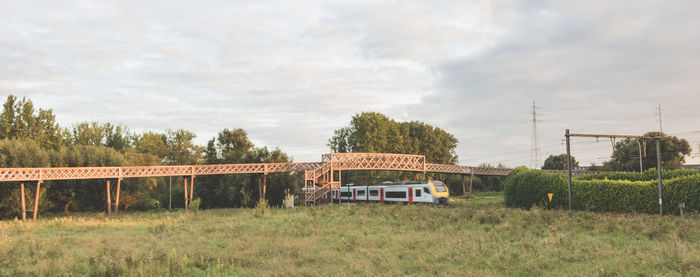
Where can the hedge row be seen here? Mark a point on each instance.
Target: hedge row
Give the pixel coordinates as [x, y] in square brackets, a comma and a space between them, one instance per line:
[525, 188]
[648, 175]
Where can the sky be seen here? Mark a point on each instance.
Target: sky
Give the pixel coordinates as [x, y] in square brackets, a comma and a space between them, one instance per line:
[291, 72]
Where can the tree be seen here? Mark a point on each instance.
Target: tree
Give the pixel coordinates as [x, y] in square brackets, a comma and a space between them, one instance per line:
[19, 121]
[625, 157]
[151, 143]
[181, 148]
[88, 133]
[117, 137]
[558, 162]
[376, 133]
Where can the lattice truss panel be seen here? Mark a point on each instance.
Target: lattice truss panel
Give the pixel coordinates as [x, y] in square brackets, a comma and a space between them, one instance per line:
[376, 161]
[20, 174]
[447, 168]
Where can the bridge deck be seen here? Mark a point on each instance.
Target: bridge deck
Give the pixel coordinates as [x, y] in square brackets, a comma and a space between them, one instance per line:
[335, 161]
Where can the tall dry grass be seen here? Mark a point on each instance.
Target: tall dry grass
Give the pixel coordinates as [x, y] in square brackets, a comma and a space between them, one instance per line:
[471, 237]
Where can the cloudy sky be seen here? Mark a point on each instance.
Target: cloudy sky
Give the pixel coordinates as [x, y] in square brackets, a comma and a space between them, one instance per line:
[291, 72]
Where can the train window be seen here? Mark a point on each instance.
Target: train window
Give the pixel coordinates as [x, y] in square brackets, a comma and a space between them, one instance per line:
[373, 192]
[345, 194]
[418, 193]
[395, 194]
[360, 193]
[426, 190]
[439, 187]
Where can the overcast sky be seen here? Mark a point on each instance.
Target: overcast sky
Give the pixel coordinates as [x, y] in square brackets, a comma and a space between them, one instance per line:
[291, 72]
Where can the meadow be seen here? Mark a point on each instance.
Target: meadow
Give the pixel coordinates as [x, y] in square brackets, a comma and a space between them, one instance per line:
[475, 237]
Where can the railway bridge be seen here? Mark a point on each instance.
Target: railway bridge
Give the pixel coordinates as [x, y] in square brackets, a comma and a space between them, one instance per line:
[319, 177]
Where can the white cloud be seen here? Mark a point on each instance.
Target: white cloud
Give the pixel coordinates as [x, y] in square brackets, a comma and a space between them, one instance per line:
[292, 72]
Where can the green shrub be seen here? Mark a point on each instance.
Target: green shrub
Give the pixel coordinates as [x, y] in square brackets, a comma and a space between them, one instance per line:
[260, 208]
[146, 203]
[524, 188]
[611, 192]
[194, 205]
[648, 175]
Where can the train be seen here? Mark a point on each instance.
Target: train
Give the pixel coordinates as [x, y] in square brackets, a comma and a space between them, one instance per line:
[430, 192]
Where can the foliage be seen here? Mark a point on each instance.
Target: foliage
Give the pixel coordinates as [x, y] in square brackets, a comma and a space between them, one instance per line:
[181, 148]
[648, 175]
[146, 204]
[626, 154]
[32, 139]
[558, 162]
[260, 207]
[376, 133]
[194, 205]
[245, 197]
[233, 146]
[525, 188]
[20, 121]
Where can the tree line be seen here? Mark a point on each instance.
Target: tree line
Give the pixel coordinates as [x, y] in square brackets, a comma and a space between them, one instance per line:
[32, 138]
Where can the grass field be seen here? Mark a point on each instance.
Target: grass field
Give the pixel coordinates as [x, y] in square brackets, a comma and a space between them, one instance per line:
[470, 238]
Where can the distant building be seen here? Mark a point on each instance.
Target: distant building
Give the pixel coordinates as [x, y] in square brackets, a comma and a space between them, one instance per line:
[691, 166]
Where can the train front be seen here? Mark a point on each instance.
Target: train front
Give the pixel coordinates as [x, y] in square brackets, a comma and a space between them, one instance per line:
[441, 196]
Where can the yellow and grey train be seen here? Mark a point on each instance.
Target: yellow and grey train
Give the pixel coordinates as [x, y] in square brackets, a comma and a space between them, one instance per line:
[431, 192]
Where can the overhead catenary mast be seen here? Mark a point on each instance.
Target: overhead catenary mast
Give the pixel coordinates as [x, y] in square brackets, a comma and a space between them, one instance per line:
[661, 125]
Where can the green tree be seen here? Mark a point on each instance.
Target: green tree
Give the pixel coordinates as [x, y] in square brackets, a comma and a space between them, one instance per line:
[7, 118]
[20, 121]
[376, 133]
[181, 149]
[88, 133]
[625, 157]
[558, 162]
[117, 137]
[151, 143]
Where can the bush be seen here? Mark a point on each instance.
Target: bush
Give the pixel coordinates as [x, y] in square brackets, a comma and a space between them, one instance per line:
[194, 205]
[648, 175]
[146, 203]
[525, 188]
[260, 208]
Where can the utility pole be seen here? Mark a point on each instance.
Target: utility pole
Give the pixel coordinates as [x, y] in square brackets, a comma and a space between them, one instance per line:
[568, 165]
[640, 155]
[658, 165]
[534, 147]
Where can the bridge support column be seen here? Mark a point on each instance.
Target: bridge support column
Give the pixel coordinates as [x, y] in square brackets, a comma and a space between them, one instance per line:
[464, 187]
[191, 188]
[116, 202]
[36, 199]
[109, 200]
[264, 190]
[184, 180]
[24, 207]
[471, 179]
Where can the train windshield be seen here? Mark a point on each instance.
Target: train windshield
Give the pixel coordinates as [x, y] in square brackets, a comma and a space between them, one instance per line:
[439, 186]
